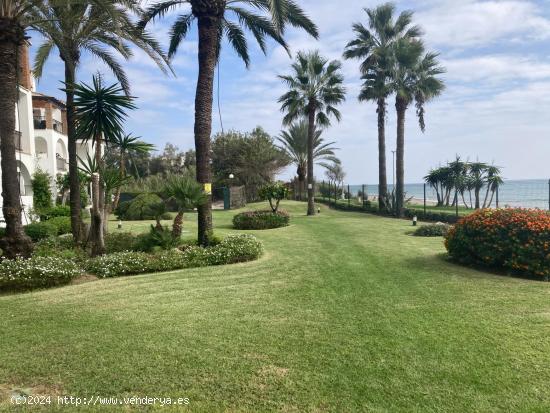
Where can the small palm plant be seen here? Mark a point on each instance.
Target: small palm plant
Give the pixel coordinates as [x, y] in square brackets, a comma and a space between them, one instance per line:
[100, 112]
[217, 19]
[188, 194]
[127, 146]
[294, 143]
[315, 88]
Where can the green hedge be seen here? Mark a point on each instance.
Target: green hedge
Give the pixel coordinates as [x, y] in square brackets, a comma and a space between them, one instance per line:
[432, 230]
[233, 249]
[261, 219]
[37, 272]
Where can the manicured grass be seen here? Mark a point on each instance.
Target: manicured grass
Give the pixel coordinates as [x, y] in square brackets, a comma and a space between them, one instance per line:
[345, 312]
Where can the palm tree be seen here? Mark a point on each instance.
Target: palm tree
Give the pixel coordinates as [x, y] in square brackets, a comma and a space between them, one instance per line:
[15, 15]
[375, 46]
[188, 194]
[127, 146]
[94, 26]
[294, 144]
[414, 78]
[216, 19]
[315, 88]
[100, 111]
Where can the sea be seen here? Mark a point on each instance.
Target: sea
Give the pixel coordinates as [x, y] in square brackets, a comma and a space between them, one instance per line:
[527, 193]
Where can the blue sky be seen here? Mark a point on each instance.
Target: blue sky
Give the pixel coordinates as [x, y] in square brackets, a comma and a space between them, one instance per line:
[496, 107]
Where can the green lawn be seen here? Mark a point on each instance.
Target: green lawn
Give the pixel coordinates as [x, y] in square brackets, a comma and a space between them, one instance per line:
[345, 312]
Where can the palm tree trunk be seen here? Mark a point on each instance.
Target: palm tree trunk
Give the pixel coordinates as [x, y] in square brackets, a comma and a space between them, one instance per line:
[98, 241]
[208, 45]
[74, 179]
[15, 242]
[401, 107]
[476, 193]
[310, 137]
[122, 174]
[486, 196]
[177, 226]
[382, 172]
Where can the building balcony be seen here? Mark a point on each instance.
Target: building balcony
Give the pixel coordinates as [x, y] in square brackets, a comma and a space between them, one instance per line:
[39, 122]
[57, 126]
[61, 164]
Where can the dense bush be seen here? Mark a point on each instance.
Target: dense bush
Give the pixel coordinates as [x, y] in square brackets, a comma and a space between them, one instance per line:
[40, 230]
[63, 224]
[512, 238]
[233, 249]
[261, 219]
[56, 211]
[160, 238]
[120, 242]
[37, 272]
[41, 190]
[432, 230]
[142, 207]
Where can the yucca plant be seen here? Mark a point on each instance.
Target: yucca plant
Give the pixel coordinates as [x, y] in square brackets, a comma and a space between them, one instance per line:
[218, 19]
[100, 112]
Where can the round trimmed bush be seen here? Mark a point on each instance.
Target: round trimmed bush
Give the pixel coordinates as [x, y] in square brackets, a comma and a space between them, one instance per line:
[40, 230]
[432, 230]
[512, 238]
[142, 207]
[261, 220]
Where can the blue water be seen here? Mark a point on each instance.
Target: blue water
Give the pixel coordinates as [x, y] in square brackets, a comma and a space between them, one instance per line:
[529, 193]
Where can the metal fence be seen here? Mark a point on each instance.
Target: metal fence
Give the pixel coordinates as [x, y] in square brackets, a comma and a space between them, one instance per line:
[512, 193]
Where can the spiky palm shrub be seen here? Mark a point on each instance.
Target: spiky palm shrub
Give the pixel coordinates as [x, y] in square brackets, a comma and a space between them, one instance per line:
[215, 20]
[294, 143]
[374, 46]
[315, 88]
[100, 112]
[97, 27]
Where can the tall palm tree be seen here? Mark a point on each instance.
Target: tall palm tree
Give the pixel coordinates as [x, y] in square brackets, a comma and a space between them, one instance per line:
[294, 143]
[127, 145]
[96, 27]
[15, 15]
[374, 45]
[216, 19]
[315, 88]
[100, 112]
[414, 78]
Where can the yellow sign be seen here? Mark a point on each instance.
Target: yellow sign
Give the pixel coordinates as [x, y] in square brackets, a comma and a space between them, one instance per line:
[208, 189]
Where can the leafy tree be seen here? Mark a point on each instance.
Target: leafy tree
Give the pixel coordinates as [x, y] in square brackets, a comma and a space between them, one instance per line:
[294, 143]
[415, 78]
[274, 192]
[100, 111]
[315, 88]
[374, 46]
[252, 158]
[217, 19]
[335, 175]
[188, 194]
[41, 190]
[96, 27]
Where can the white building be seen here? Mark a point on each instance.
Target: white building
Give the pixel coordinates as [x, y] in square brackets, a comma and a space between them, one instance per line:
[41, 137]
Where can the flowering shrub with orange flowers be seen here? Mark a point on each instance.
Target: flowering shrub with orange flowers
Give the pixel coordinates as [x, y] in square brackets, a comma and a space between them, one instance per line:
[513, 238]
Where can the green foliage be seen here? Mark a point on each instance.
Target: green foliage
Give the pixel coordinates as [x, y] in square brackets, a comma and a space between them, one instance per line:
[432, 230]
[158, 238]
[513, 238]
[233, 249]
[274, 192]
[142, 207]
[261, 220]
[116, 241]
[185, 191]
[55, 211]
[40, 230]
[37, 272]
[41, 188]
[63, 224]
